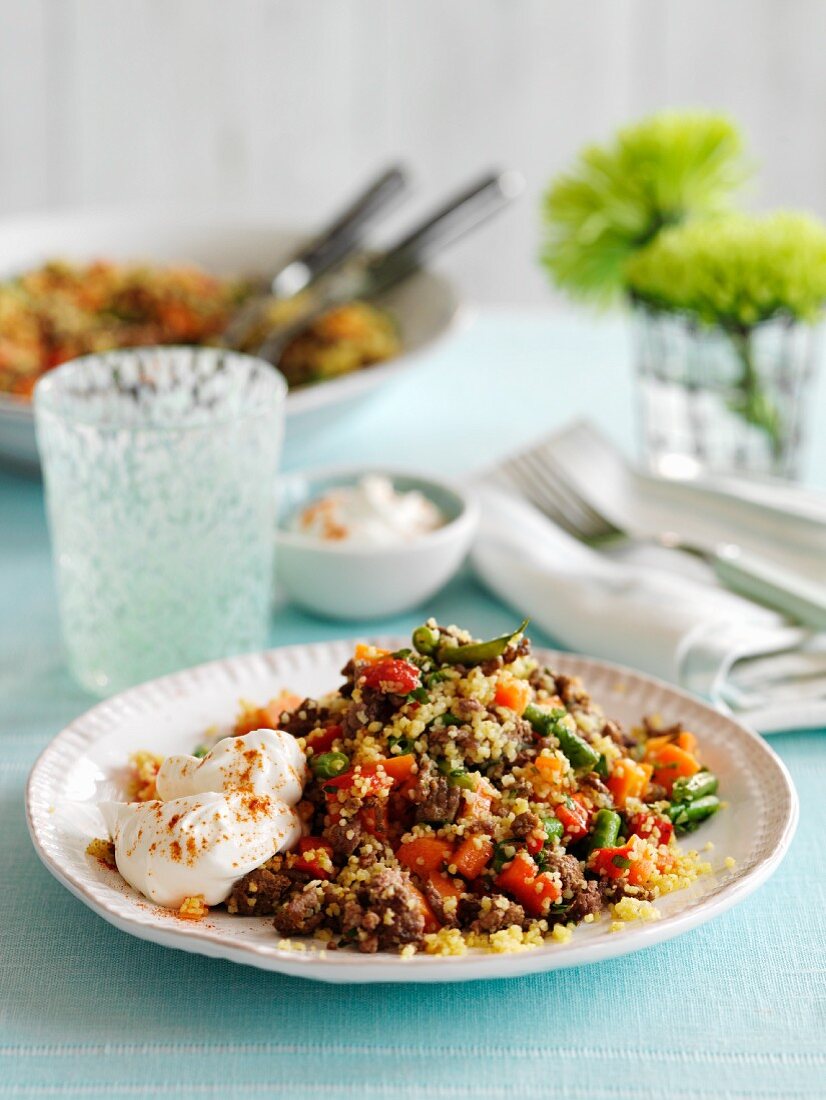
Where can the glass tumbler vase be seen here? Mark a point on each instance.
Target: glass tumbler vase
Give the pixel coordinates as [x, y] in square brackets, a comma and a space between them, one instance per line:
[160, 468]
[723, 401]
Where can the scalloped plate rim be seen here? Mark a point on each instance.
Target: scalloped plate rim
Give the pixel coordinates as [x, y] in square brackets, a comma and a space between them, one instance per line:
[383, 967]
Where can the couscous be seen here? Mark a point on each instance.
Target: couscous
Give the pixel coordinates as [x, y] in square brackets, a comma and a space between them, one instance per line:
[62, 310]
[461, 795]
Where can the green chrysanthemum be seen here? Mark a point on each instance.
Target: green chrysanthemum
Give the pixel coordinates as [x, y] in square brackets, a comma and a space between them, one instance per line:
[657, 173]
[736, 270]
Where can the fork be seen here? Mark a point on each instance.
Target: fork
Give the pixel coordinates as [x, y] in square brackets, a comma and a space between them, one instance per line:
[548, 486]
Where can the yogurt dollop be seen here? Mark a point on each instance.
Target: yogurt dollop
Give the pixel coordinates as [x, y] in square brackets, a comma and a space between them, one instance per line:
[370, 513]
[216, 818]
[268, 762]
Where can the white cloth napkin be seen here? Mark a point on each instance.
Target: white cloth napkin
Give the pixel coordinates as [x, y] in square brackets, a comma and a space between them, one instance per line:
[659, 611]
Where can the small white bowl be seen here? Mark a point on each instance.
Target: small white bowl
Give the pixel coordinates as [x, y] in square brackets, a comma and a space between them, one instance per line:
[339, 581]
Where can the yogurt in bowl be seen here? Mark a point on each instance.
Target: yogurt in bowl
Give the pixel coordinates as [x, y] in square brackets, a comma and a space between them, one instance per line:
[370, 512]
[365, 543]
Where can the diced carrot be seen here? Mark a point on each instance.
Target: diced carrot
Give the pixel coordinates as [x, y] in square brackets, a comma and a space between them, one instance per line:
[268, 716]
[517, 873]
[686, 740]
[631, 862]
[512, 693]
[473, 855]
[425, 853]
[476, 804]
[368, 654]
[431, 923]
[671, 763]
[444, 885]
[640, 871]
[549, 767]
[399, 768]
[534, 892]
[628, 779]
[654, 744]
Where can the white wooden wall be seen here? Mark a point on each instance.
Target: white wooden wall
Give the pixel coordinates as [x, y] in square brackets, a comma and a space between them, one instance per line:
[285, 105]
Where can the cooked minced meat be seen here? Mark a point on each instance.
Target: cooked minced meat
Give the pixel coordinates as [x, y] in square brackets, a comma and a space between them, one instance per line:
[303, 911]
[447, 805]
[385, 912]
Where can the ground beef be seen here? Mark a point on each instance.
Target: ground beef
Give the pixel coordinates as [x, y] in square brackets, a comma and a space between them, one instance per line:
[671, 732]
[524, 824]
[618, 735]
[655, 792]
[447, 917]
[595, 786]
[476, 825]
[567, 688]
[434, 798]
[571, 691]
[339, 836]
[303, 911]
[259, 893]
[374, 706]
[439, 738]
[385, 912]
[304, 719]
[580, 896]
[570, 871]
[349, 674]
[502, 913]
[466, 708]
[588, 899]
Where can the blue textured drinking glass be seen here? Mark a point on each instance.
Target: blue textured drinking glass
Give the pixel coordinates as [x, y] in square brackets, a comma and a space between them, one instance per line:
[160, 471]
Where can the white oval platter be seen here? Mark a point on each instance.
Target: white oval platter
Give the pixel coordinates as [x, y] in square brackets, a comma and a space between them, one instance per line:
[85, 763]
[427, 305]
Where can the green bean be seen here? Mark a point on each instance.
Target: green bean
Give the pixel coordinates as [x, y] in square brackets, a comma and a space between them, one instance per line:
[457, 777]
[503, 853]
[553, 828]
[476, 653]
[690, 787]
[425, 640]
[547, 723]
[329, 764]
[686, 816]
[606, 830]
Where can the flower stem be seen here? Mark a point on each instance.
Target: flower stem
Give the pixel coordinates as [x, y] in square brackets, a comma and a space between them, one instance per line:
[752, 402]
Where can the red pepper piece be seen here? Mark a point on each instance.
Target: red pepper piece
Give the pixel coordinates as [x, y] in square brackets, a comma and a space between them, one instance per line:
[393, 676]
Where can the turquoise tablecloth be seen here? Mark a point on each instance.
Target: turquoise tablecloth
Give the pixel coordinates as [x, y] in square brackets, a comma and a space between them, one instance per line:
[736, 1008]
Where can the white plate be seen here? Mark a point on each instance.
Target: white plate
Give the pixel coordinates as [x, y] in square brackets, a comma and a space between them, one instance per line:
[426, 306]
[84, 764]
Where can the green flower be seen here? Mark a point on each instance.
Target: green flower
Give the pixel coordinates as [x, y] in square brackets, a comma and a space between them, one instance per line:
[736, 270]
[659, 172]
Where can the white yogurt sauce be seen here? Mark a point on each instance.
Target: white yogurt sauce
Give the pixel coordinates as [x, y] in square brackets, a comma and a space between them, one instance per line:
[370, 513]
[216, 818]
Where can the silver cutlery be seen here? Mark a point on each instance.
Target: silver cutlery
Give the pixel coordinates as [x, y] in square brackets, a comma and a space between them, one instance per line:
[335, 243]
[328, 249]
[366, 276]
[547, 485]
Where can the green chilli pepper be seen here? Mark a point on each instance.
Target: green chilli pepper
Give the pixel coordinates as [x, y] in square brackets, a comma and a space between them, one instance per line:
[476, 653]
[329, 764]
